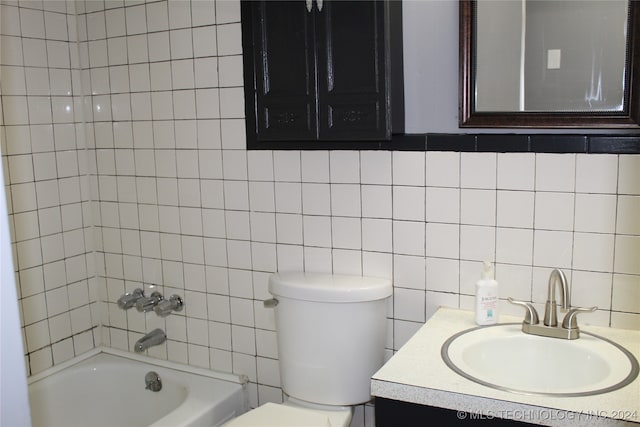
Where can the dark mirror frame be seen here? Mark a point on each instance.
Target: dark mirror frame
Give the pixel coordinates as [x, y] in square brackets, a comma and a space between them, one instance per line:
[468, 117]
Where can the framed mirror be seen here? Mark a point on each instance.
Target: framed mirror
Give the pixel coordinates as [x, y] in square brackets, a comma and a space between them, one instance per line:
[549, 64]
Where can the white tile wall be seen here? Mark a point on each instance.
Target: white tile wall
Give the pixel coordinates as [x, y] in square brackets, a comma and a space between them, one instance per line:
[43, 146]
[180, 204]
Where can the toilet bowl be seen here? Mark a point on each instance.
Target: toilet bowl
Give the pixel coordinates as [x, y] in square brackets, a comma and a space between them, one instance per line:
[331, 332]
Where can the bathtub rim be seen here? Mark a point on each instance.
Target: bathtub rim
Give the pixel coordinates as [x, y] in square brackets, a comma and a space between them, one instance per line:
[223, 376]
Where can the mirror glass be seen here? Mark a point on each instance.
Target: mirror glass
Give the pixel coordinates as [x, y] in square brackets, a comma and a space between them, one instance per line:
[551, 55]
[549, 63]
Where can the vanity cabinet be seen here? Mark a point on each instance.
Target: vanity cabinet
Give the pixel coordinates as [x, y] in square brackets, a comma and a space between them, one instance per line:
[321, 71]
[393, 413]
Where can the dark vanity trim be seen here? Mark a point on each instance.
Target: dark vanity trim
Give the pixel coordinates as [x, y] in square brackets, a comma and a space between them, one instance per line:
[482, 142]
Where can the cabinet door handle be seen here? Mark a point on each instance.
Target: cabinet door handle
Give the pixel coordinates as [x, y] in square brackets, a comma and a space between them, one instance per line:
[319, 5]
[309, 5]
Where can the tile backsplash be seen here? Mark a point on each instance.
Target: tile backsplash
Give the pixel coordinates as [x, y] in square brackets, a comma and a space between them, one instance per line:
[148, 184]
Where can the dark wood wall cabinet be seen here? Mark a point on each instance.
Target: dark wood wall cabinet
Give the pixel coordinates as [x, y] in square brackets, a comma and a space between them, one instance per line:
[321, 72]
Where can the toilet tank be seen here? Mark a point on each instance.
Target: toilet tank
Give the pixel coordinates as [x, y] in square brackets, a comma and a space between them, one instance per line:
[331, 333]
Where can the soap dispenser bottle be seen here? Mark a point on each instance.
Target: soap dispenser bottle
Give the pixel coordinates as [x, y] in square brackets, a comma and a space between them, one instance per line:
[487, 297]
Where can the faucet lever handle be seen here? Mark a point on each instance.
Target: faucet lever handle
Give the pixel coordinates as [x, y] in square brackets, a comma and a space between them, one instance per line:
[164, 307]
[531, 315]
[128, 299]
[570, 320]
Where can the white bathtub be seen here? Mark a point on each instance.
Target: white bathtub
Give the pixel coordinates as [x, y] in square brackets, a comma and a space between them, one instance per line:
[106, 388]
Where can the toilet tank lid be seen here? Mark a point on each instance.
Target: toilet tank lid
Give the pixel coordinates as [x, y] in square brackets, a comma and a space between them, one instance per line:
[322, 287]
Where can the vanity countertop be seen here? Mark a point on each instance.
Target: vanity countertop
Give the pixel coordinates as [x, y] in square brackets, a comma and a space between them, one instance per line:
[417, 374]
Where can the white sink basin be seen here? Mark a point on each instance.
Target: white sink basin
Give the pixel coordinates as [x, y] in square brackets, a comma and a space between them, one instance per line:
[505, 358]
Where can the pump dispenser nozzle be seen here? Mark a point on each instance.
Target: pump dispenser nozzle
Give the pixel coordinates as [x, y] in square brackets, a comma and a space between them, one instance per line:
[487, 271]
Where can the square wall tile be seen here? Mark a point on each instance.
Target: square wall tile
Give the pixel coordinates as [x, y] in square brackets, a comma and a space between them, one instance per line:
[477, 243]
[375, 167]
[317, 231]
[346, 233]
[443, 169]
[227, 11]
[286, 166]
[231, 103]
[478, 170]
[260, 165]
[347, 262]
[629, 175]
[377, 235]
[318, 260]
[263, 227]
[345, 200]
[625, 293]
[409, 203]
[555, 172]
[627, 249]
[230, 68]
[554, 211]
[377, 264]
[595, 213]
[204, 41]
[206, 72]
[138, 54]
[597, 173]
[514, 246]
[409, 238]
[514, 281]
[203, 13]
[409, 304]
[229, 39]
[159, 49]
[316, 199]
[552, 249]
[516, 171]
[628, 218]
[315, 166]
[443, 240]
[408, 168]
[289, 229]
[262, 196]
[376, 201]
[477, 207]
[442, 205]
[589, 288]
[234, 164]
[344, 167]
[515, 209]
[263, 256]
[136, 19]
[443, 275]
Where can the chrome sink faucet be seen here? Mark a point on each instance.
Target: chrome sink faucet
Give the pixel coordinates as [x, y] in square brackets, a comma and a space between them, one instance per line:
[155, 337]
[569, 329]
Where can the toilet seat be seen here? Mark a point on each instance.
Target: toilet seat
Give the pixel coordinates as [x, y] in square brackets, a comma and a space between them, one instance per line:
[287, 415]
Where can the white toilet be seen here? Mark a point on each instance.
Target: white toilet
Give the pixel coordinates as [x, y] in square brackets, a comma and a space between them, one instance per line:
[331, 335]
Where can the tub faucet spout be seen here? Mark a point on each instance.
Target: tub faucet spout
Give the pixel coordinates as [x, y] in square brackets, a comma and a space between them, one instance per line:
[155, 337]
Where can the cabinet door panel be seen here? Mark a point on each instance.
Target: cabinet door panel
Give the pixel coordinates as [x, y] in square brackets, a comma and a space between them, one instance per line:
[351, 70]
[285, 71]
[348, 116]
